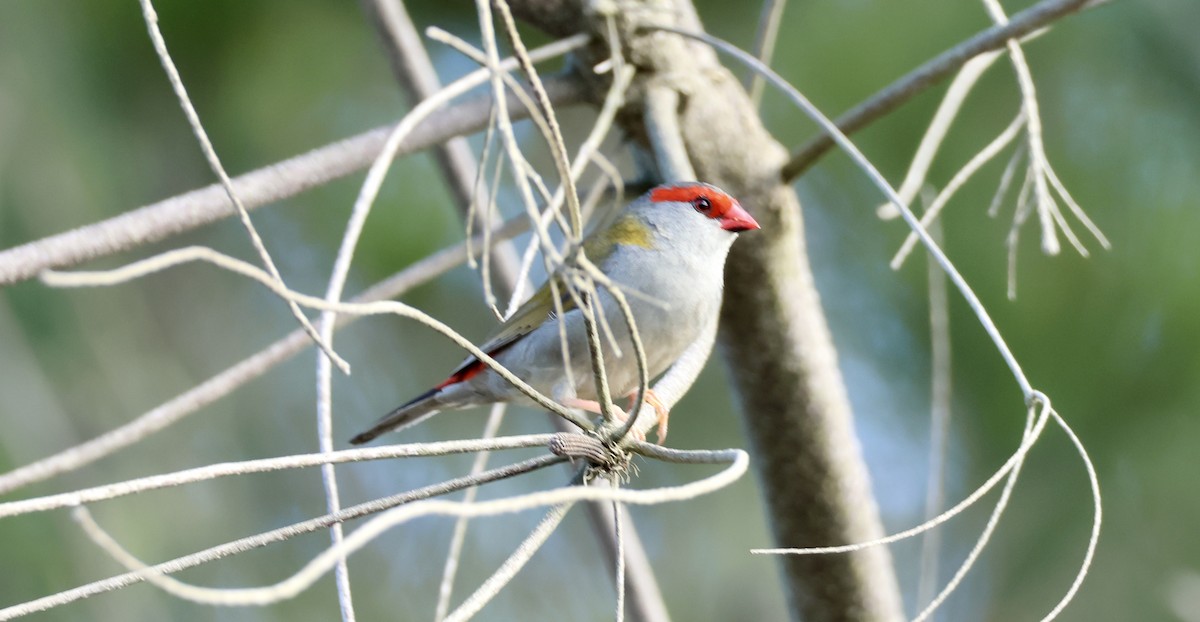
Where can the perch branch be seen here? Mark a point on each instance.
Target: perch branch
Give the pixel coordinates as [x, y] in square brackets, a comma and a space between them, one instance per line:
[372, 529]
[270, 537]
[266, 465]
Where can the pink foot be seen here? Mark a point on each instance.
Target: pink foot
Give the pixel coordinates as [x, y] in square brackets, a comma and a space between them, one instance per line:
[593, 406]
[660, 411]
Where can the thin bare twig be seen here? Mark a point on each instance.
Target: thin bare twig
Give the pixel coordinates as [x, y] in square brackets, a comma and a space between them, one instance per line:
[415, 72]
[930, 73]
[867, 167]
[511, 566]
[459, 537]
[1097, 519]
[1006, 178]
[541, 238]
[662, 123]
[1001, 474]
[961, 177]
[940, 400]
[242, 545]
[1032, 397]
[199, 253]
[1033, 129]
[233, 377]
[1040, 169]
[956, 95]
[620, 565]
[984, 536]
[210, 154]
[558, 147]
[1020, 215]
[764, 44]
[368, 532]
[266, 465]
[558, 150]
[567, 174]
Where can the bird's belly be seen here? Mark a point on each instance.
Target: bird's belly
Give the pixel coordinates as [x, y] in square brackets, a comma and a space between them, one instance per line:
[665, 331]
[665, 334]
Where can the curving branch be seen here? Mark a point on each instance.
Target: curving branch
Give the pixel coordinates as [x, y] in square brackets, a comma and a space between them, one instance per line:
[275, 535]
[265, 465]
[268, 184]
[214, 163]
[415, 73]
[236, 375]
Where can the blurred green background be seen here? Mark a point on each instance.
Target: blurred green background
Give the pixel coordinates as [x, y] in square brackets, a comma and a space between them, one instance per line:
[89, 129]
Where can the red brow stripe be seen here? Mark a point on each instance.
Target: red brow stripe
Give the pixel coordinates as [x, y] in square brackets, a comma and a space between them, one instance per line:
[683, 194]
[721, 202]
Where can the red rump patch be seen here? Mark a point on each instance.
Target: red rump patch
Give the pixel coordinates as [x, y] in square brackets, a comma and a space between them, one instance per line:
[466, 373]
[472, 369]
[721, 202]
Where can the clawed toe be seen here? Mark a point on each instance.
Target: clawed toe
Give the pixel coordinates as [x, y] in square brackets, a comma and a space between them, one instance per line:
[660, 411]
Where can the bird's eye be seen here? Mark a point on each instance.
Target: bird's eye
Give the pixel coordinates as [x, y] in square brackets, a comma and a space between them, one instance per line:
[702, 204]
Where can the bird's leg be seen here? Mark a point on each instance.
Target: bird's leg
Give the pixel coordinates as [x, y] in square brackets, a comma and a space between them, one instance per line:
[660, 411]
[594, 407]
[591, 406]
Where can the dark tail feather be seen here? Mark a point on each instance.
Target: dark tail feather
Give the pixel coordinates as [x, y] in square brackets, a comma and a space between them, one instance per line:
[419, 408]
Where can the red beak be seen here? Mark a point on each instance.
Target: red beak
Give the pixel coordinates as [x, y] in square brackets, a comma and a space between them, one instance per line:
[737, 219]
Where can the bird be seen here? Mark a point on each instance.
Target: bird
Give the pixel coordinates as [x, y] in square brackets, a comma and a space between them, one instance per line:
[666, 250]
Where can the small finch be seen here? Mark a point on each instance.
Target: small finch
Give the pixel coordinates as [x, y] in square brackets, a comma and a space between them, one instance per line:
[668, 249]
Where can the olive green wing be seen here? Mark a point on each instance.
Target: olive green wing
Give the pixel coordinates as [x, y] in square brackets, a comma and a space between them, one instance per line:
[618, 230]
[523, 321]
